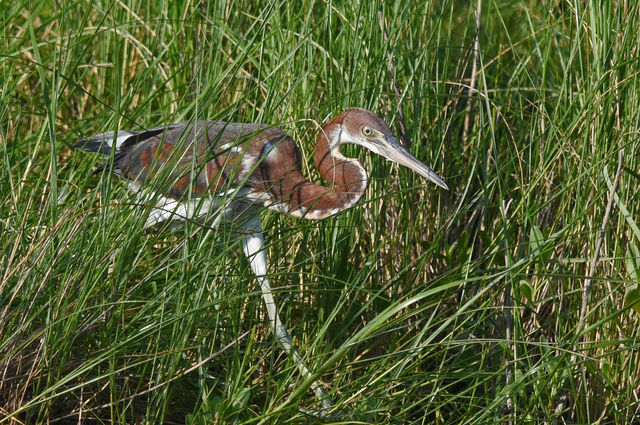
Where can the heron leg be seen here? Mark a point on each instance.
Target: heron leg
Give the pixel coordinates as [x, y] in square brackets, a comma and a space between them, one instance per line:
[253, 246]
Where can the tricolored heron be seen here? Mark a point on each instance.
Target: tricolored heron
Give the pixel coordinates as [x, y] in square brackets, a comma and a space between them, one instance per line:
[231, 171]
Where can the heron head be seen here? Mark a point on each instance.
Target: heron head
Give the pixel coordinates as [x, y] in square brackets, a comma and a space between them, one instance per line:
[364, 128]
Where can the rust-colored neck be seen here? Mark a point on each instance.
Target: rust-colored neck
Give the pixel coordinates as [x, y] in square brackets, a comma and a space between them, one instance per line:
[302, 198]
[347, 177]
[344, 174]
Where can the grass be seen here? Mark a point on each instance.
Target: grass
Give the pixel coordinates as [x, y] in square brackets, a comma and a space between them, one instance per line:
[418, 306]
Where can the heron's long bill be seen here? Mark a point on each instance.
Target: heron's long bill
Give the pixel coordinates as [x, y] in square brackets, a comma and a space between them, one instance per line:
[393, 150]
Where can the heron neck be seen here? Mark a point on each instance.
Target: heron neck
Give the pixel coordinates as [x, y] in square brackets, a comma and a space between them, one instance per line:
[312, 201]
[344, 174]
[347, 176]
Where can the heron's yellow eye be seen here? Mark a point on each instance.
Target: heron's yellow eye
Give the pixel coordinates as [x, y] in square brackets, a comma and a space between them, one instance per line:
[367, 131]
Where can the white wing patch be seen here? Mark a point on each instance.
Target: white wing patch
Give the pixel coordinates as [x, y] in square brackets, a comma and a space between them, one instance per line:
[121, 137]
[231, 148]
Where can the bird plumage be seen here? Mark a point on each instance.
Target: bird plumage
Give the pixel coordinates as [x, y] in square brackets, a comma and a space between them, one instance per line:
[228, 170]
[204, 158]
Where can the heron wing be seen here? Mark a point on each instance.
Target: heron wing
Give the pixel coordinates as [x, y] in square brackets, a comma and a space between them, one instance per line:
[203, 157]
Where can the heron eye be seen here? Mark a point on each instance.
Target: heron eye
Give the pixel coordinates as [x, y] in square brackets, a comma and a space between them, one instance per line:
[367, 131]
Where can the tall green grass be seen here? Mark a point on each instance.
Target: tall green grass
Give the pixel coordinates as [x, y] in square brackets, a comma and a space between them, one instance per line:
[418, 306]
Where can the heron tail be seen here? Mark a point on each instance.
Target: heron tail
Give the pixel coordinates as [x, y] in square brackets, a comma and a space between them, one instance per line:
[105, 142]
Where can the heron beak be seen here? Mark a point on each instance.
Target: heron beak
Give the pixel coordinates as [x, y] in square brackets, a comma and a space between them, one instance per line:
[391, 149]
